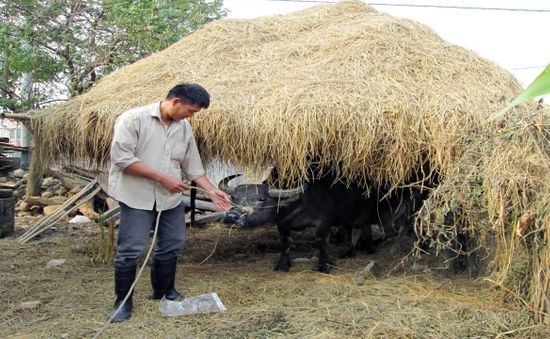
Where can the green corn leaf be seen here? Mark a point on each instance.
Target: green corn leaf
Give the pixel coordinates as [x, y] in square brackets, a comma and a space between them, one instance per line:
[540, 86]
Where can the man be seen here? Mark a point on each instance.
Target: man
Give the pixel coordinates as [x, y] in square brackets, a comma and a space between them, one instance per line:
[153, 146]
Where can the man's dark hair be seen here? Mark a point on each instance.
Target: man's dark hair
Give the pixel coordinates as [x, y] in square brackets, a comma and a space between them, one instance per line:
[190, 93]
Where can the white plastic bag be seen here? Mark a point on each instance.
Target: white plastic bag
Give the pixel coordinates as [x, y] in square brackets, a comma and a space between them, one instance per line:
[55, 262]
[79, 219]
[201, 304]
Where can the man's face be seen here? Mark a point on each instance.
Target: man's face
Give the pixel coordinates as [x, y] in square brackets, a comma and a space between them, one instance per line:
[181, 110]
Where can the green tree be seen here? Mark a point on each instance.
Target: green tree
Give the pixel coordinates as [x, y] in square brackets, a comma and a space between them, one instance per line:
[51, 50]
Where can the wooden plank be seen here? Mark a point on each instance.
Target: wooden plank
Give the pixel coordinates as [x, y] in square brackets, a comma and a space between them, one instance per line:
[39, 201]
[113, 213]
[205, 219]
[200, 194]
[9, 164]
[8, 186]
[9, 147]
[81, 171]
[200, 204]
[15, 116]
[67, 180]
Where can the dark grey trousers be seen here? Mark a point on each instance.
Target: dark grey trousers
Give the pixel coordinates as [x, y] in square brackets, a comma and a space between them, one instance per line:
[135, 226]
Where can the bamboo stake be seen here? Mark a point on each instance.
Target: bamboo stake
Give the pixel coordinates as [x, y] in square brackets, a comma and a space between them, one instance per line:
[29, 234]
[52, 222]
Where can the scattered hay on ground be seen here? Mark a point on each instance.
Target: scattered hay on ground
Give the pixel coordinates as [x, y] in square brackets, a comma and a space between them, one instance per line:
[76, 297]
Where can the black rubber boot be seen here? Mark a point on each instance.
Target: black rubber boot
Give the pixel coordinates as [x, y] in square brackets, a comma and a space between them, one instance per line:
[163, 275]
[124, 278]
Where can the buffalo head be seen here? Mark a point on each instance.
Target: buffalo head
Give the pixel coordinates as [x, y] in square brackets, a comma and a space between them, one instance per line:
[256, 204]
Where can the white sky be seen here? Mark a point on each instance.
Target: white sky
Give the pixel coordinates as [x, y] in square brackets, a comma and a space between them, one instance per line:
[516, 40]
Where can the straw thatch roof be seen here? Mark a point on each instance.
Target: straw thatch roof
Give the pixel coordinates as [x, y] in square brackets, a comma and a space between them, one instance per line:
[341, 82]
[371, 95]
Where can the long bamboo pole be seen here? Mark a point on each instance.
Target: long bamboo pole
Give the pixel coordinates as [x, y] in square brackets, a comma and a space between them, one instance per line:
[38, 227]
[15, 116]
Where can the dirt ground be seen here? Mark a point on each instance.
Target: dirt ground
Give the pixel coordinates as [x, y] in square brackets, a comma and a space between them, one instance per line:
[413, 301]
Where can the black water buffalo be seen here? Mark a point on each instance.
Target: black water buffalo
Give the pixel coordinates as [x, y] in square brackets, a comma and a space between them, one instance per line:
[320, 203]
[391, 211]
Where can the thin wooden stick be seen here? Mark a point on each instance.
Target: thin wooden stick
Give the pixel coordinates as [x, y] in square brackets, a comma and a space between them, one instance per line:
[47, 218]
[59, 213]
[53, 222]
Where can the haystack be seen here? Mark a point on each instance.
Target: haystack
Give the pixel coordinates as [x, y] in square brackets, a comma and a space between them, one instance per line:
[369, 95]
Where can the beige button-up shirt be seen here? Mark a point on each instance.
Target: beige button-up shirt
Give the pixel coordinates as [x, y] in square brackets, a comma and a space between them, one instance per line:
[141, 136]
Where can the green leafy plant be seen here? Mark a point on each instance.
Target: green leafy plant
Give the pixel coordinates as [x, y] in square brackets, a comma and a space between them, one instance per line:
[103, 249]
[540, 86]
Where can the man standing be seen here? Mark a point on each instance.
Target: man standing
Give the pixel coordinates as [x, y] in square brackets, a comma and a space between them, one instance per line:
[153, 146]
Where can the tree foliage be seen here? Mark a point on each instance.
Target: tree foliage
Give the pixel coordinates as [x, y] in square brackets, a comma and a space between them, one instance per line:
[51, 50]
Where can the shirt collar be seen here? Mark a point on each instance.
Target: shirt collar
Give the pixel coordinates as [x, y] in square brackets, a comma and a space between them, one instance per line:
[156, 111]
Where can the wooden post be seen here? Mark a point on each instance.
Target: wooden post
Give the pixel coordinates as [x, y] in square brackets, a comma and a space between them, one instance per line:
[36, 172]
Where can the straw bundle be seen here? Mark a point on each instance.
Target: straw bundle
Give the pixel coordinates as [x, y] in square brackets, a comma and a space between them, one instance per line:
[370, 95]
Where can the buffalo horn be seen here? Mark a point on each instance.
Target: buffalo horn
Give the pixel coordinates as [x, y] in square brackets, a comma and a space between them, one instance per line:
[224, 184]
[286, 193]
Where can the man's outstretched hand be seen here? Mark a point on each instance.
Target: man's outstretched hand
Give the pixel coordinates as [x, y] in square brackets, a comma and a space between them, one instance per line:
[220, 199]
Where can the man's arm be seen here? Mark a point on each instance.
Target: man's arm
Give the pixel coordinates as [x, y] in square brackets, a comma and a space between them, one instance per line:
[220, 199]
[172, 184]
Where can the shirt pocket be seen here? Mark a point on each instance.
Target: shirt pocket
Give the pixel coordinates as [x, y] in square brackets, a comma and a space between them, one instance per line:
[178, 152]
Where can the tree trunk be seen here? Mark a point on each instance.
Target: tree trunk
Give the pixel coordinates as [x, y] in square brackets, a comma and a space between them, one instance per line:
[5, 75]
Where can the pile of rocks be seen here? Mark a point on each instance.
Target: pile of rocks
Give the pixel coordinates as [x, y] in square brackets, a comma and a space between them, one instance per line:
[53, 193]
[53, 187]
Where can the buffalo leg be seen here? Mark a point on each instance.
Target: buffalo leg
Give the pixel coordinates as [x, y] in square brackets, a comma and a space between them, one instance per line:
[363, 233]
[322, 234]
[284, 262]
[367, 238]
[356, 234]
